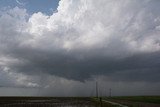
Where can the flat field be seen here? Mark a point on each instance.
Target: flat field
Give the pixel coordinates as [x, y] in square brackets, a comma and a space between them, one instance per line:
[129, 101]
[136, 101]
[50, 102]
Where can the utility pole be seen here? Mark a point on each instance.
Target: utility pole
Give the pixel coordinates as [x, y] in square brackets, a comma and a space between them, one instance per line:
[110, 92]
[96, 89]
[100, 98]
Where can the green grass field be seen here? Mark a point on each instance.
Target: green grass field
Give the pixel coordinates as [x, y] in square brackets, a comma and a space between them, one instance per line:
[136, 101]
[146, 99]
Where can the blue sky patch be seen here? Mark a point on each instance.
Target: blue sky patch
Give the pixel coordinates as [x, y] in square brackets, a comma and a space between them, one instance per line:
[32, 6]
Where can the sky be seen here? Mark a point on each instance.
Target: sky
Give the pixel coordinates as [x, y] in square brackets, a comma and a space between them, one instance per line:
[62, 47]
[32, 6]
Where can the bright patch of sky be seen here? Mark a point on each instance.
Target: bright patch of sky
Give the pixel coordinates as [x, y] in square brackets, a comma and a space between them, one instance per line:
[32, 6]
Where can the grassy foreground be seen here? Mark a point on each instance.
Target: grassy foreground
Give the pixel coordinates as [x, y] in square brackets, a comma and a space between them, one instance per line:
[145, 99]
[136, 101]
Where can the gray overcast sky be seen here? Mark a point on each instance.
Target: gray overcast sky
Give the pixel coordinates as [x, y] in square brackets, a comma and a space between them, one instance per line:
[49, 46]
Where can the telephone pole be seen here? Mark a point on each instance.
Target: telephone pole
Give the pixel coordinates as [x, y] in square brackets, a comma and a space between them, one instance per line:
[110, 92]
[96, 89]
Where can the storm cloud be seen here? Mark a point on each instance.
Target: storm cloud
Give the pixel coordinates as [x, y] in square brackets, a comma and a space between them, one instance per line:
[83, 39]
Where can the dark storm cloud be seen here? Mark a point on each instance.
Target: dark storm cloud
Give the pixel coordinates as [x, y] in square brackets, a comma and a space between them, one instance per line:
[140, 67]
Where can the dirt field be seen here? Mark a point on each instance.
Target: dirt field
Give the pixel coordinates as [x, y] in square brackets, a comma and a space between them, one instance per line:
[44, 102]
[50, 102]
[139, 101]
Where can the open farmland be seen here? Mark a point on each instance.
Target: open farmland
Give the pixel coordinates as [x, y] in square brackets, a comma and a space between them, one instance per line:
[45, 102]
[50, 102]
[136, 101]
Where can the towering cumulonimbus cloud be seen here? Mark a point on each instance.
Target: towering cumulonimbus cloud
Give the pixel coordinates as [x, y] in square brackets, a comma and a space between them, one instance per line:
[113, 26]
[118, 39]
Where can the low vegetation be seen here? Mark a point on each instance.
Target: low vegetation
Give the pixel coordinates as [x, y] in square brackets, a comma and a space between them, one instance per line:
[130, 101]
[146, 99]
